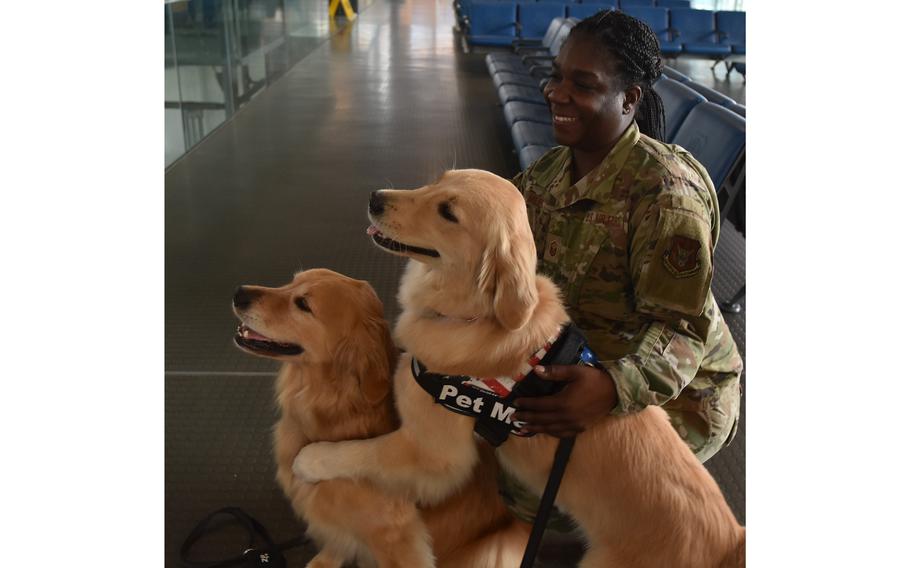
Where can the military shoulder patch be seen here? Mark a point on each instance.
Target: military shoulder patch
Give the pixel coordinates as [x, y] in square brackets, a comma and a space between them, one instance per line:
[681, 256]
[677, 274]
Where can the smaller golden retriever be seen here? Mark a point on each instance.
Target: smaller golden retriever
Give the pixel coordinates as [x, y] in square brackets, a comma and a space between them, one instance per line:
[335, 384]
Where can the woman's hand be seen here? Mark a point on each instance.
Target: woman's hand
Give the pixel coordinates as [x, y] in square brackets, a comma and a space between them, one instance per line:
[589, 394]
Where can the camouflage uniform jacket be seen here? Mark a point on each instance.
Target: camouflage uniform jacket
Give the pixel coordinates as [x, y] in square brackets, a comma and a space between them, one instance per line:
[631, 245]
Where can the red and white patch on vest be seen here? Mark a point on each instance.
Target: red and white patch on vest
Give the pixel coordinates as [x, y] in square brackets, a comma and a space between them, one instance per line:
[681, 256]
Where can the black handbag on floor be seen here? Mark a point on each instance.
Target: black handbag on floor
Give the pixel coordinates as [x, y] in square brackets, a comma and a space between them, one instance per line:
[266, 555]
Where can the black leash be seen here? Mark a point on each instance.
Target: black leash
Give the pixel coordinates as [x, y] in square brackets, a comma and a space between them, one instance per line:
[560, 461]
[268, 554]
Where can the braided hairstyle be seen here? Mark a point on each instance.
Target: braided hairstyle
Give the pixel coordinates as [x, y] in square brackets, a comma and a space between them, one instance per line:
[636, 48]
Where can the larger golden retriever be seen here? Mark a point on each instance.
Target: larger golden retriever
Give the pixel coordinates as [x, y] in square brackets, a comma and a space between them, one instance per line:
[473, 305]
[335, 384]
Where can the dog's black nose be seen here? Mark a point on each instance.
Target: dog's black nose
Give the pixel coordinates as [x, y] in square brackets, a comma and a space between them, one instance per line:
[243, 297]
[377, 203]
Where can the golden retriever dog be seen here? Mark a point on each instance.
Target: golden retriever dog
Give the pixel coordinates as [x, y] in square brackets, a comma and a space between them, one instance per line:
[335, 384]
[474, 305]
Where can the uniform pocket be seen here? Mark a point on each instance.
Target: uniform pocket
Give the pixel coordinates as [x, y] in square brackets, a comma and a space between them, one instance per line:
[574, 253]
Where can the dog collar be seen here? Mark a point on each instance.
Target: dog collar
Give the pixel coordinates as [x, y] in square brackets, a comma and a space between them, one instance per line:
[490, 399]
[498, 386]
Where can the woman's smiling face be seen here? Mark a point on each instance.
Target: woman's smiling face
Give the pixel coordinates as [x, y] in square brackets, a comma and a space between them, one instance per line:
[590, 110]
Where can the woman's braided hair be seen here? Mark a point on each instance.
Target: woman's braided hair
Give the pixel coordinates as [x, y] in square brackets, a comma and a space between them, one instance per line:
[636, 48]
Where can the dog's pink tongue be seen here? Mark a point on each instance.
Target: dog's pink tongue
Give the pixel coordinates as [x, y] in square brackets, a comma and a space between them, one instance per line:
[372, 230]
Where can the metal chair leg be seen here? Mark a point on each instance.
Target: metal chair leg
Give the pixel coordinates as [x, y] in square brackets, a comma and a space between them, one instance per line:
[733, 305]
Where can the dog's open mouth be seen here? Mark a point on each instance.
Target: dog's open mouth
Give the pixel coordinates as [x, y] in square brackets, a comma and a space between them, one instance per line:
[394, 246]
[252, 340]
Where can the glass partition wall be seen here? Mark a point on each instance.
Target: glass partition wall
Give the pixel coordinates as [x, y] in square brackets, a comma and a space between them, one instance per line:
[219, 54]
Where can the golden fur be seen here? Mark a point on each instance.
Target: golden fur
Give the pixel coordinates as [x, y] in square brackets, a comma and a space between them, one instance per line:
[638, 493]
[339, 389]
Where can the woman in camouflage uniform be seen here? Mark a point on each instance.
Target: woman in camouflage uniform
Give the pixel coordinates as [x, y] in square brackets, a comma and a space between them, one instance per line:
[626, 226]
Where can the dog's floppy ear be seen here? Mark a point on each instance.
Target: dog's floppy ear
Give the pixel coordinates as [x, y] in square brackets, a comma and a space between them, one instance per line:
[508, 271]
[367, 351]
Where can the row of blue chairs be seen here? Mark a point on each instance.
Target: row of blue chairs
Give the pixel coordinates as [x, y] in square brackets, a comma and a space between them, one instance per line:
[665, 3]
[519, 76]
[707, 92]
[498, 25]
[614, 4]
[682, 31]
[716, 35]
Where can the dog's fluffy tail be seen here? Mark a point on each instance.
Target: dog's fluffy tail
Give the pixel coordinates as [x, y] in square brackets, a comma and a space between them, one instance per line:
[737, 557]
[503, 548]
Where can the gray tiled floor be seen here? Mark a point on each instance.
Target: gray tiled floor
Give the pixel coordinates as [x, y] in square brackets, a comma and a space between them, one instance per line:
[391, 101]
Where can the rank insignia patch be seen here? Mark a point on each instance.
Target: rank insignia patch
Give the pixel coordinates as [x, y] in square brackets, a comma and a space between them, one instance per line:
[552, 249]
[681, 256]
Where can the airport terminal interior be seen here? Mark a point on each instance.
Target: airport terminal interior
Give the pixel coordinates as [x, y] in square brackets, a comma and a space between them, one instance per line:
[280, 121]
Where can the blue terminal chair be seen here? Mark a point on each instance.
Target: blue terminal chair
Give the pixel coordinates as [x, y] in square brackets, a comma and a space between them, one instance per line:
[526, 79]
[582, 11]
[526, 83]
[710, 94]
[516, 111]
[528, 154]
[523, 61]
[674, 3]
[732, 29]
[520, 93]
[623, 4]
[510, 68]
[658, 19]
[676, 75]
[533, 72]
[534, 18]
[738, 109]
[492, 23]
[527, 133]
[530, 14]
[697, 33]
[542, 44]
[716, 136]
[604, 4]
[462, 8]
[678, 100]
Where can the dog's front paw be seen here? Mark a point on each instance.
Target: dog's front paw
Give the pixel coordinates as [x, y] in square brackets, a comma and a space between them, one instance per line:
[314, 462]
